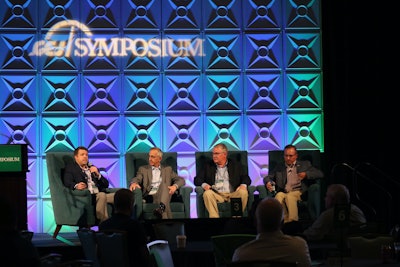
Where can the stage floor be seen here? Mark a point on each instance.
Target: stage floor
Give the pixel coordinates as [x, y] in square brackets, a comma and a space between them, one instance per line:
[66, 244]
[63, 239]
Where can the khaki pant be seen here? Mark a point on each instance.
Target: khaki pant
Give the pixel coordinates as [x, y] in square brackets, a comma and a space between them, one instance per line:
[211, 199]
[289, 201]
[101, 204]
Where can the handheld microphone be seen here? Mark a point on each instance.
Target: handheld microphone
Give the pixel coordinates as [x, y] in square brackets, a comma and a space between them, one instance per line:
[93, 174]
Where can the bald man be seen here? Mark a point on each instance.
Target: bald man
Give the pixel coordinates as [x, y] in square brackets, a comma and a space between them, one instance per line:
[271, 243]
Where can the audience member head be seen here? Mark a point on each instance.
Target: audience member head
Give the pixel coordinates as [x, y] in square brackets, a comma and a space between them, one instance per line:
[269, 215]
[155, 156]
[336, 194]
[123, 201]
[220, 154]
[290, 154]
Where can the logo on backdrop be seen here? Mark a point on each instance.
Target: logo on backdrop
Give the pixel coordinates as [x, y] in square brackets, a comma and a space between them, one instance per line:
[62, 41]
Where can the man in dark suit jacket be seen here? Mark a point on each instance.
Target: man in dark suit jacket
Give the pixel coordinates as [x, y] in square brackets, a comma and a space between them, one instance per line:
[158, 183]
[81, 175]
[221, 180]
[289, 181]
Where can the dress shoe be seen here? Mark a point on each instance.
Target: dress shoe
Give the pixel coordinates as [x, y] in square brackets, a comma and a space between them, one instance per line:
[159, 211]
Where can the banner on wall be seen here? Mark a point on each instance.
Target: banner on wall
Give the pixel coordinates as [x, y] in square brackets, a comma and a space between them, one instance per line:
[12, 158]
[61, 40]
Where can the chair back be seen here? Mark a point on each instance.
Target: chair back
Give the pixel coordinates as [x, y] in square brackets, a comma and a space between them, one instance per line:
[202, 157]
[169, 230]
[262, 264]
[224, 209]
[180, 207]
[312, 200]
[28, 235]
[87, 237]
[112, 248]
[368, 246]
[70, 207]
[224, 246]
[160, 253]
[134, 160]
[313, 156]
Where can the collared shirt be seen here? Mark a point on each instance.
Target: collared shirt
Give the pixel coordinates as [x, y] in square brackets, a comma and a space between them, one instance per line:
[222, 180]
[91, 184]
[155, 180]
[293, 182]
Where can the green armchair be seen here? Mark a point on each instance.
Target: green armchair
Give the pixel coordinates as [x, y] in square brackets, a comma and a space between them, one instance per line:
[310, 205]
[224, 209]
[180, 203]
[70, 207]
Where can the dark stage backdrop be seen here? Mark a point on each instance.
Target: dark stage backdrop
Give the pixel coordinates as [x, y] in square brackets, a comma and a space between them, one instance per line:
[361, 108]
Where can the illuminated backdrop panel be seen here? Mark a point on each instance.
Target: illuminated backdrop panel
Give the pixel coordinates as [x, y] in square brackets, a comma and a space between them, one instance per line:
[123, 76]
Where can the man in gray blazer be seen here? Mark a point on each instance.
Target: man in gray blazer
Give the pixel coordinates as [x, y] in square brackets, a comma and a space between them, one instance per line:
[289, 180]
[158, 183]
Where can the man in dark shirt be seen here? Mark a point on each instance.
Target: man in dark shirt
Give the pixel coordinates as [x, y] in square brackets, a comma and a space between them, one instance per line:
[122, 220]
[81, 175]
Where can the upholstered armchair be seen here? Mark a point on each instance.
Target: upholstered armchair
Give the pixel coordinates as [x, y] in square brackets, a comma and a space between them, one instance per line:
[180, 203]
[310, 205]
[224, 209]
[70, 207]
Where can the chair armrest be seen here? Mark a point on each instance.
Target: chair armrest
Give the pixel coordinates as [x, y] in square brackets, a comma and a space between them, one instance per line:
[185, 192]
[263, 192]
[138, 206]
[112, 190]
[80, 207]
[201, 209]
[314, 200]
[199, 190]
[79, 193]
[251, 189]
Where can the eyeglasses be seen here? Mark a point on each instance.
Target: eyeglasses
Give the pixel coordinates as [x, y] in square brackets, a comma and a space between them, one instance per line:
[217, 153]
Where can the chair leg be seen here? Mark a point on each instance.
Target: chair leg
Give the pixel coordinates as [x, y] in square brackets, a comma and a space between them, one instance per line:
[58, 228]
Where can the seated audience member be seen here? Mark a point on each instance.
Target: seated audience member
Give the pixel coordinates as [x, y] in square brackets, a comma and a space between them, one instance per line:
[271, 243]
[122, 220]
[323, 227]
[221, 180]
[158, 183]
[291, 178]
[16, 250]
[81, 175]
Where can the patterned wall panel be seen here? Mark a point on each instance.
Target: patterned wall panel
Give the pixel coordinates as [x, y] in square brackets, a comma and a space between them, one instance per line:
[19, 94]
[15, 47]
[141, 15]
[263, 51]
[60, 94]
[183, 93]
[183, 133]
[119, 76]
[263, 92]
